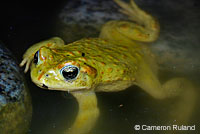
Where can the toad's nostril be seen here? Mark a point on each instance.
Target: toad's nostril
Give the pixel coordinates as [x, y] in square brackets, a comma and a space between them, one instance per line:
[44, 86]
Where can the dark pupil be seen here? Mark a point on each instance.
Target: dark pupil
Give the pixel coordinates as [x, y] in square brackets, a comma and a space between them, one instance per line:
[70, 73]
[35, 60]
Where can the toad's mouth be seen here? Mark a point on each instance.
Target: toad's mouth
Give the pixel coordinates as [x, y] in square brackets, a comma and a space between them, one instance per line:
[41, 85]
[44, 86]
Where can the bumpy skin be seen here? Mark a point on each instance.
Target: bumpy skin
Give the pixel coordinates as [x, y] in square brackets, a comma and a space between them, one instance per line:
[112, 62]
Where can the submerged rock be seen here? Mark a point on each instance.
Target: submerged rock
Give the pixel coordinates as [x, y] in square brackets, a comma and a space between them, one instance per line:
[84, 18]
[15, 102]
[177, 48]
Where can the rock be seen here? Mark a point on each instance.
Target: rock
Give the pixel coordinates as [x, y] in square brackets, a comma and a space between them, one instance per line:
[177, 48]
[84, 18]
[15, 102]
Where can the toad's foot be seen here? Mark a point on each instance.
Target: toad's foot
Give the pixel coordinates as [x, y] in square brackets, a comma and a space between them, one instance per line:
[186, 93]
[29, 54]
[27, 61]
[181, 88]
[138, 15]
[143, 28]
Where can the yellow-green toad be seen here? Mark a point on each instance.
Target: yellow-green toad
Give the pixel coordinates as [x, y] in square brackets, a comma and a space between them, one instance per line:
[110, 63]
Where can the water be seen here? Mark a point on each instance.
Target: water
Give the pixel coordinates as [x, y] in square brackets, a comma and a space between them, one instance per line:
[54, 112]
[120, 112]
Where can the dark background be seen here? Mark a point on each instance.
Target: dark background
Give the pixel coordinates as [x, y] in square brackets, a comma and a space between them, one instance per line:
[23, 22]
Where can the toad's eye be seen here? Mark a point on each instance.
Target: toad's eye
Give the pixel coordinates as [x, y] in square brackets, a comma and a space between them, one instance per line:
[35, 60]
[69, 72]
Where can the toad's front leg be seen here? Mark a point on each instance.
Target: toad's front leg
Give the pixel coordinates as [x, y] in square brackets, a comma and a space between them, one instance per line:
[87, 114]
[30, 52]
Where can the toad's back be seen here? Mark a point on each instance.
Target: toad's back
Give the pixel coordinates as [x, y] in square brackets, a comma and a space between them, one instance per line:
[114, 63]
